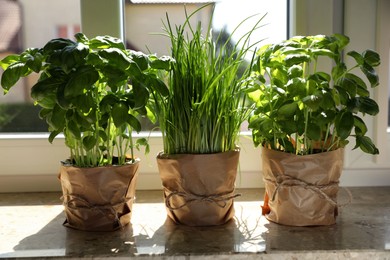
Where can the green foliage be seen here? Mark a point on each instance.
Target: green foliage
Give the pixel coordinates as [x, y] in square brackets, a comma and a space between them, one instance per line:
[301, 109]
[206, 102]
[92, 91]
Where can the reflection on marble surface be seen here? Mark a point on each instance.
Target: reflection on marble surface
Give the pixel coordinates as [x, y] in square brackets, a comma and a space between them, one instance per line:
[31, 226]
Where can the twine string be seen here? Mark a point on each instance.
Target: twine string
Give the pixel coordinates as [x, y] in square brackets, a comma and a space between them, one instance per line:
[286, 180]
[75, 202]
[219, 199]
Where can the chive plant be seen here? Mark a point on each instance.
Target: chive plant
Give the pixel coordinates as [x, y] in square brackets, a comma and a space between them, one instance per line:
[206, 104]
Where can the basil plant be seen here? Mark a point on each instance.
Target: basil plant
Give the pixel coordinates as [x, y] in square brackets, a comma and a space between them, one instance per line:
[301, 109]
[91, 90]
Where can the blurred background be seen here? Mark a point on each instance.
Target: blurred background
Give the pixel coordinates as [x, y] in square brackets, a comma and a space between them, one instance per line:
[26, 23]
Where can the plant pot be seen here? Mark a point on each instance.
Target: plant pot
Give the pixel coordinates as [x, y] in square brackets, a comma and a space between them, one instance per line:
[98, 198]
[199, 188]
[301, 190]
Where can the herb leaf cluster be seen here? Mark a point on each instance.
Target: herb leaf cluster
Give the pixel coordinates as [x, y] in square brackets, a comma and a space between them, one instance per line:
[91, 90]
[301, 109]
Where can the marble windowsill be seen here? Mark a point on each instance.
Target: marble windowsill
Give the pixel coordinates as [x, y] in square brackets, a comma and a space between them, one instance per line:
[31, 227]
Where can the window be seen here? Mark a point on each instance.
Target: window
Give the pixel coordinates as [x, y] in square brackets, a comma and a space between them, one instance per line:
[40, 159]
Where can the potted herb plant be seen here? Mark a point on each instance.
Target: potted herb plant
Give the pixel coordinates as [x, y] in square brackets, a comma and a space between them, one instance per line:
[93, 91]
[303, 117]
[200, 120]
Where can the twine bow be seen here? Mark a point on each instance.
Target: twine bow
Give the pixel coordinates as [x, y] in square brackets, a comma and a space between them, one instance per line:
[75, 202]
[286, 180]
[219, 199]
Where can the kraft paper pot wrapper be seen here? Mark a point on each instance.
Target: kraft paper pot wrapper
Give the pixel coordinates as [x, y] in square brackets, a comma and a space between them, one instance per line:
[98, 198]
[199, 188]
[302, 190]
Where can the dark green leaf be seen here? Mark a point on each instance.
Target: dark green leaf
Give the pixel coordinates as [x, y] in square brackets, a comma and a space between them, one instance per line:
[120, 114]
[12, 74]
[108, 102]
[367, 105]
[57, 44]
[327, 101]
[320, 76]
[80, 81]
[141, 95]
[338, 71]
[372, 58]
[74, 129]
[348, 85]
[34, 62]
[361, 86]
[80, 37]
[134, 123]
[144, 142]
[45, 87]
[72, 56]
[357, 56]
[158, 85]
[360, 126]
[344, 124]
[89, 142]
[48, 101]
[57, 118]
[313, 131]
[366, 145]
[371, 74]
[53, 135]
[313, 101]
[342, 40]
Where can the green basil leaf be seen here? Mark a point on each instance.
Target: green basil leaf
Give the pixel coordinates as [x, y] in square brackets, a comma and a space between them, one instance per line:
[12, 75]
[134, 123]
[120, 114]
[371, 74]
[366, 145]
[344, 124]
[89, 142]
[357, 56]
[360, 126]
[372, 58]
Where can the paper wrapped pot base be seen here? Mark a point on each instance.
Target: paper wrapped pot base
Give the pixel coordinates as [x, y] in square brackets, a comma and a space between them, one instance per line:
[199, 188]
[99, 198]
[301, 190]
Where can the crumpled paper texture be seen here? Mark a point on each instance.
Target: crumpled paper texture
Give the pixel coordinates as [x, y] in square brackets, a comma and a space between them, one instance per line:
[99, 198]
[199, 188]
[301, 190]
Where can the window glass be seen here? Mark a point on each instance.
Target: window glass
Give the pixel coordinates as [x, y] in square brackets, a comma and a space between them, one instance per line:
[28, 24]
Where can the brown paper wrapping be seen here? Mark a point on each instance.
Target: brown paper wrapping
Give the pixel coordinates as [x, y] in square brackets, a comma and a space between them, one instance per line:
[301, 190]
[99, 198]
[199, 188]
